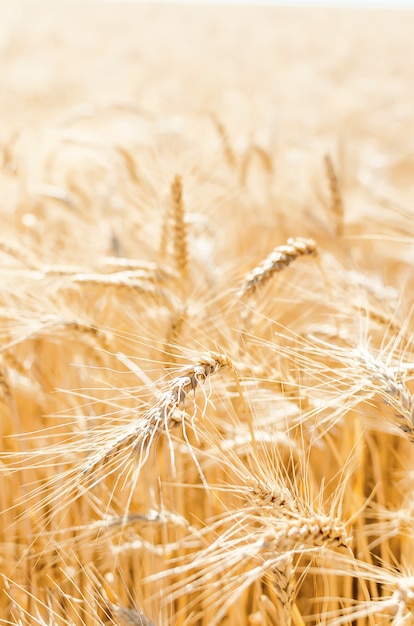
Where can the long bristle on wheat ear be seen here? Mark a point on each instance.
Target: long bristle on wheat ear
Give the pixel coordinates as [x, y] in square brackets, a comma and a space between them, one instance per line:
[276, 261]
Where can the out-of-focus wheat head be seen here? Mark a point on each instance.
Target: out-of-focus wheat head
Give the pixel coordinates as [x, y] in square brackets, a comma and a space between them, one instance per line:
[206, 368]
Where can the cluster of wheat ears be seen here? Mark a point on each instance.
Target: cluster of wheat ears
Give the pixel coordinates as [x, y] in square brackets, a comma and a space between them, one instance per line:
[206, 384]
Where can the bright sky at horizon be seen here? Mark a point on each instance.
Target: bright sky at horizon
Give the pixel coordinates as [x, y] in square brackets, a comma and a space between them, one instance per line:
[354, 3]
[389, 4]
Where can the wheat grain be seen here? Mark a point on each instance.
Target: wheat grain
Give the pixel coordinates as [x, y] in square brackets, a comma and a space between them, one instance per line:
[256, 619]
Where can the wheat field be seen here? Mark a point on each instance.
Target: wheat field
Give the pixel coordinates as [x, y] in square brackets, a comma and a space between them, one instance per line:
[206, 305]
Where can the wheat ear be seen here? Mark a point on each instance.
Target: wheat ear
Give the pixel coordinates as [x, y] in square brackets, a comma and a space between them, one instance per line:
[317, 531]
[224, 138]
[180, 230]
[163, 414]
[247, 548]
[175, 219]
[336, 203]
[130, 164]
[263, 156]
[276, 261]
[285, 586]
[383, 319]
[130, 279]
[393, 390]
